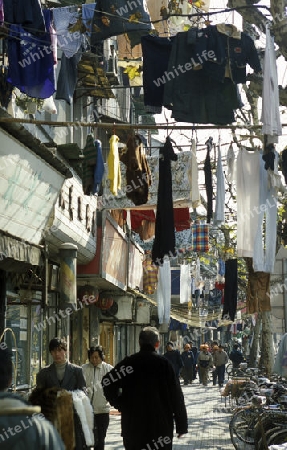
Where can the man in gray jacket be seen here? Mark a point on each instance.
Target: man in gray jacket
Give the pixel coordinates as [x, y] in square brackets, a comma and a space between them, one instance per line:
[22, 425]
[220, 358]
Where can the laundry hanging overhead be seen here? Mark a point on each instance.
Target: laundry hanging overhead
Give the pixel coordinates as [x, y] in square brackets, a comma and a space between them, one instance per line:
[208, 180]
[164, 241]
[31, 67]
[138, 175]
[180, 185]
[270, 94]
[193, 177]
[219, 216]
[115, 17]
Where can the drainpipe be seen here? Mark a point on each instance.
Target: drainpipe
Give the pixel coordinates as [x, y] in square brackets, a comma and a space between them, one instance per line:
[68, 284]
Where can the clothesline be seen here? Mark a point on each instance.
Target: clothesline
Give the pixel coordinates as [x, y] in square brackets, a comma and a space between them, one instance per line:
[143, 22]
[128, 126]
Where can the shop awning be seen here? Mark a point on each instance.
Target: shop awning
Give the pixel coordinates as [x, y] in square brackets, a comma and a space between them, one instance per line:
[15, 254]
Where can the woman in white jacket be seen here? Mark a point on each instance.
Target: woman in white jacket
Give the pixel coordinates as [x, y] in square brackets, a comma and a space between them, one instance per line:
[93, 373]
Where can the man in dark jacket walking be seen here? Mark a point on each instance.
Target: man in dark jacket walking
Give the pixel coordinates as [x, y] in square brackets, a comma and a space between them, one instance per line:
[145, 389]
[174, 358]
[22, 425]
[236, 356]
[187, 371]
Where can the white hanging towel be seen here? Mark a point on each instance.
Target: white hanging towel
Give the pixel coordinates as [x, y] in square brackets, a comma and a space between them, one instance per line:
[270, 94]
[163, 292]
[185, 283]
[192, 172]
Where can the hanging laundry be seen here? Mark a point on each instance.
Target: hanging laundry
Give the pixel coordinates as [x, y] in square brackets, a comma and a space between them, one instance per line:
[192, 171]
[156, 52]
[230, 161]
[180, 185]
[230, 291]
[182, 219]
[150, 275]
[270, 94]
[208, 181]
[31, 62]
[200, 237]
[64, 18]
[258, 290]
[138, 175]
[191, 94]
[67, 78]
[99, 168]
[6, 88]
[89, 163]
[28, 14]
[269, 157]
[228, 51]
[219, 216]
[247, 188]
[185, 283]
[164, 241]
[133, 69]
[113, 161]
[221, 267]
[88, 10]
[1, 12]
[265, 243]
[163, 293]
[115, 17]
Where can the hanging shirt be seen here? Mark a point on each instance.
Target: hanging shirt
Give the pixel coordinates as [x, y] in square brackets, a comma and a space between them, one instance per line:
[185, 283]
[31, 62]
[200, 237]
[270, 94]
[192, 171]
[69, 42]
[164, 241]
[114, 173]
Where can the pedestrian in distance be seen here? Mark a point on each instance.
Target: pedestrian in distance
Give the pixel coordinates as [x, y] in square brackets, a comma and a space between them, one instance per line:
[173, 355]
[195, 352]
[93, 372]
[188, 363]
[220, 359]
[236, 356]
[204, 362]
[65, 375]
[22, 426]
[145, 389]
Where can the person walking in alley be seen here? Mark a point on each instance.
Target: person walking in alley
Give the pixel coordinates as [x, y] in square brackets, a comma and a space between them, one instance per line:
[204, 362]
[174, 358]
[188, 363]
[236, 356]
[145, 389]
[220, 359]
[64, 375]
[93, 372]
[22, 425]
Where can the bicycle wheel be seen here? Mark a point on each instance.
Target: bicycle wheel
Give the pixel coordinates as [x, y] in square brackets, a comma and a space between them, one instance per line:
[241, 428]
[279, 437]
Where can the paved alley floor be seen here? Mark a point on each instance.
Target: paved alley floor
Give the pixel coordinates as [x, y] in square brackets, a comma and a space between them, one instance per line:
[208, 418]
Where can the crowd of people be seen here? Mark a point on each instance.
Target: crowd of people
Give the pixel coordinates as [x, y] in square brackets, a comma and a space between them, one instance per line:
[143, 379]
